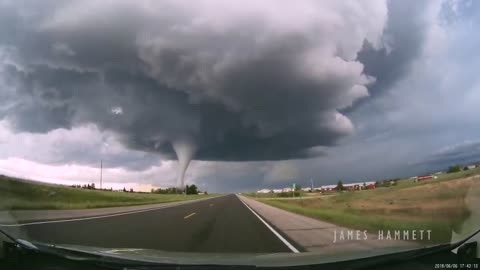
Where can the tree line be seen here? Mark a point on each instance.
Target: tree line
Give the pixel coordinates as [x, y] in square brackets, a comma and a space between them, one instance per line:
[92, 186]
[189, 189]
[457, 168]
[85, 186]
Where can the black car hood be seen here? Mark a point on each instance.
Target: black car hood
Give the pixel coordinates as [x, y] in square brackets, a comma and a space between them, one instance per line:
[188, 258]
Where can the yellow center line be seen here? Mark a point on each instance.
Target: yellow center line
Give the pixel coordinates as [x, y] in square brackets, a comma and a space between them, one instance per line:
[185, 217]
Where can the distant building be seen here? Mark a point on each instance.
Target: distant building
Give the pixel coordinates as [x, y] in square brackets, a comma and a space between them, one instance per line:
[360, 185]
[351, 186]
[328, 187]
[369, 185]
[424, 178]
[471, 167]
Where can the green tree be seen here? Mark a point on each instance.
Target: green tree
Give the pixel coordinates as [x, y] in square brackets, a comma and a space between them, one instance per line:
[339, 186]
[192, 189]
[453, 169]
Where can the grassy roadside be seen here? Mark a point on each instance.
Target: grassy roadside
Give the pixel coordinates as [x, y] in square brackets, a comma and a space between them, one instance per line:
[16, 194]
[366, 222]
[440, 205]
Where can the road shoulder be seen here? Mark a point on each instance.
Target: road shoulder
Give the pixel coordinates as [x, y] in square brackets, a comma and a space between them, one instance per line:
[318, 236]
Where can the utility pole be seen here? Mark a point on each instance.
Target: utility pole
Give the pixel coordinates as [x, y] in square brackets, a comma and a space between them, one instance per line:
[101, 169]
[311, 181]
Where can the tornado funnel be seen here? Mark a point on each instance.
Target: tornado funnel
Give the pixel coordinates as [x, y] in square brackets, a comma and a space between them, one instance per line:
[185, 152]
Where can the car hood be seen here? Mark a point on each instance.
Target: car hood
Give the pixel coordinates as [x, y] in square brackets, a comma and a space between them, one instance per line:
[189, 258]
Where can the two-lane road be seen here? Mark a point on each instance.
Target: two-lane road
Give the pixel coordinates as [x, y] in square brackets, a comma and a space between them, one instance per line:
[222, 224]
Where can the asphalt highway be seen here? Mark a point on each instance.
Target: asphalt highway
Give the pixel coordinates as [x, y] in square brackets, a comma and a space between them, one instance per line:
[223, 224]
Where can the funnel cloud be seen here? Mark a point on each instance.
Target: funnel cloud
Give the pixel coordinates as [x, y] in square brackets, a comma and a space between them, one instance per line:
[185, 152]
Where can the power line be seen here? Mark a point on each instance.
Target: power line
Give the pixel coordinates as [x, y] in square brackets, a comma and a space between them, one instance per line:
[101, 169]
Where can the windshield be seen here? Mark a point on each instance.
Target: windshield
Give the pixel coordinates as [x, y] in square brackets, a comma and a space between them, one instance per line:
[239, 128]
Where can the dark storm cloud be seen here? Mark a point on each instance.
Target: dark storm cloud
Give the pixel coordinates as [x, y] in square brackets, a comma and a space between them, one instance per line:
[42, 96]
[244, 85]
[157, 112]
[462, 153]
[404, 37]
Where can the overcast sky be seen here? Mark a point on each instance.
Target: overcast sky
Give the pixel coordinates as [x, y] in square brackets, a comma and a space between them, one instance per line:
[259, 94]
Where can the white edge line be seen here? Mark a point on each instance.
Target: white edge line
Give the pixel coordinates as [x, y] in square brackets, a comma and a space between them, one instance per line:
[188, 216]
[102, 216]
[290, 246]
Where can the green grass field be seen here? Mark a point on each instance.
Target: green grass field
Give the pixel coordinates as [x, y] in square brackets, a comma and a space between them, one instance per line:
[441, 205]
[20, 194]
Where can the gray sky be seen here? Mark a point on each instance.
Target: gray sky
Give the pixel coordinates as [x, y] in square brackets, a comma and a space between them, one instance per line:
[260, 94]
